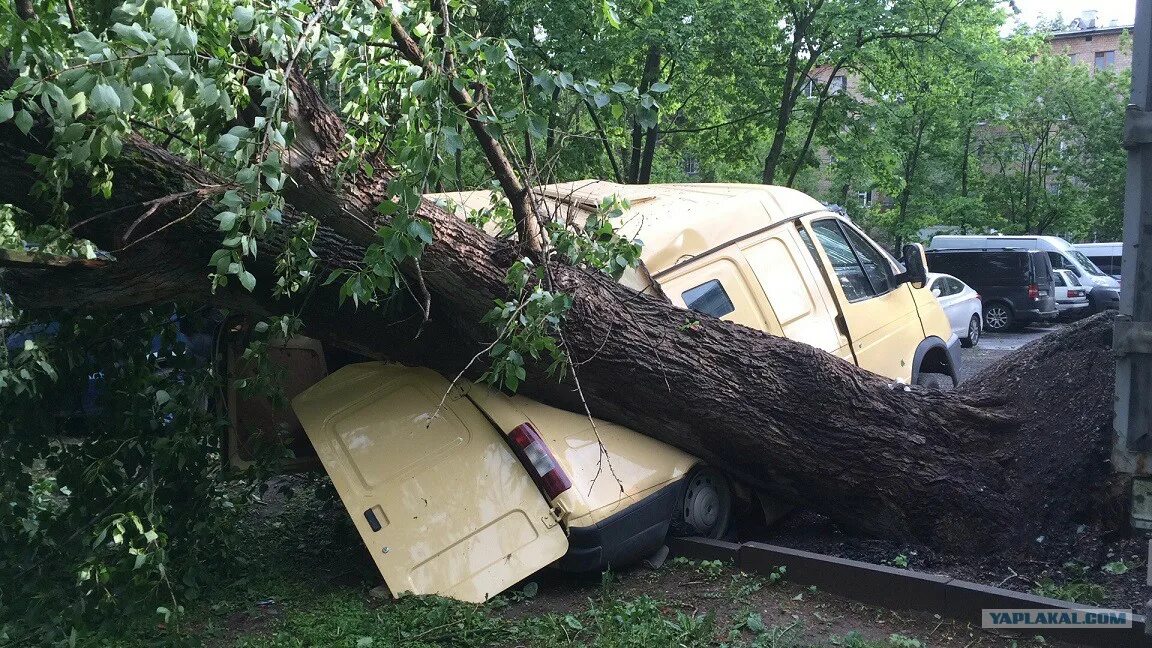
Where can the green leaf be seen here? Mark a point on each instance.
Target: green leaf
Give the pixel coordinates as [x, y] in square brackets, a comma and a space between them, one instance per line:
[660, 86]
[73, 132]
[227, 220]
[163, 22]
[247, 280]
[608, 11]
[6, 111]
[228, 142]
[620, 87]
[245, 18]
[601, 99]
[103, 98]
[420, 229]
[24, 121]
[755, 622]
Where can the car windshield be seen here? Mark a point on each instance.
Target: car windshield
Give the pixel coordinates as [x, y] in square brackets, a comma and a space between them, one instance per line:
[1086, 263]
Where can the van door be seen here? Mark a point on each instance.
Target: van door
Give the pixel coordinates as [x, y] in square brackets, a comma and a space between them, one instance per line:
[256, 424]
[442, 503]
[883, 325]
[796, 292]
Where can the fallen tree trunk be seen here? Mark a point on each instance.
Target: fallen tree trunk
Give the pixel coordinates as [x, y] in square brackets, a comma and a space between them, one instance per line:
[779, 415]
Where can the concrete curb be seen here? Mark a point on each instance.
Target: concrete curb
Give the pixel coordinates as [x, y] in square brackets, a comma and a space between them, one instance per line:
[895, 588]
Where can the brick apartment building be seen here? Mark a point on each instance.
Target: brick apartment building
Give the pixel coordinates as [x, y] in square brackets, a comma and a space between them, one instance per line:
[1087, 43]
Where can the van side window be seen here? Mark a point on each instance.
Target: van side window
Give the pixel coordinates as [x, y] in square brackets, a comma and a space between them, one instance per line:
[1061, 263]
[875, 264]
[709, 298]
[853, 278]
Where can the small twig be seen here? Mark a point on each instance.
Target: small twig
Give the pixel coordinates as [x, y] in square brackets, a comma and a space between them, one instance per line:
[436, 412]
[165, 226]
[595, 431]
[157, 204]
[1014, 575]
[426, 304]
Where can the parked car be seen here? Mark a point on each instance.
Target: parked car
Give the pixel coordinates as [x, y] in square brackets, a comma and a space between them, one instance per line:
[466, 499]
[1015, 286]
[1106, 256]
[961, 304]
[1103, 290]
[1071, 298]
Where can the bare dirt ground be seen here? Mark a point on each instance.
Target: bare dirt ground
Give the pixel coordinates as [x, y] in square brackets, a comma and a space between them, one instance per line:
[1087, 562]
[994, 346]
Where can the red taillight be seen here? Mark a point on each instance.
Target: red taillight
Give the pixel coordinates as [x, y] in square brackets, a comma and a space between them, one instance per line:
[1033, 292]
[1073, 293]
[539, 461]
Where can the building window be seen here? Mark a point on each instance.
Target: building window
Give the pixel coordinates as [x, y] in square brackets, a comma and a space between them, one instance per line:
[1105, 60]
[809, 88]
[839, 84]
[865, 198]
[691, 166]
[1073, 58]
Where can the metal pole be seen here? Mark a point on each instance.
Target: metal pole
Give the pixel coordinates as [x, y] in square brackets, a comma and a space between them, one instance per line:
[1132, 451]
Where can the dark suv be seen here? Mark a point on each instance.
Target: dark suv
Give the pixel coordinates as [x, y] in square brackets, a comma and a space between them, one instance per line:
[1016, 286]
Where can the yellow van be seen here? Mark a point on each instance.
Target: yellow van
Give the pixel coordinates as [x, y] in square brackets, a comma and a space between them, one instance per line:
[467, 498]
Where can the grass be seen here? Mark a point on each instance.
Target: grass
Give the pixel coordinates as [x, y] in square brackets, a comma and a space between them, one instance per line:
[306, 581]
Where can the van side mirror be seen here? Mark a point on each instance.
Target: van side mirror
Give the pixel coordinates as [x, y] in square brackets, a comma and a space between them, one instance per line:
[915, 266]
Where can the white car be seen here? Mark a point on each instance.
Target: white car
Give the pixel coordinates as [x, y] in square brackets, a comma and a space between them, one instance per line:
[961, 304]
[1070, 294]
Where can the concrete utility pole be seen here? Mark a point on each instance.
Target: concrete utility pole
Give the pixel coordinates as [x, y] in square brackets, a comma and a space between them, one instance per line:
[1132, 450]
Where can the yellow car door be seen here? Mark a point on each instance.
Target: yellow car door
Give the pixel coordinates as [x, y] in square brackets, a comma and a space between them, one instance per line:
[880, 313]
[442, 503]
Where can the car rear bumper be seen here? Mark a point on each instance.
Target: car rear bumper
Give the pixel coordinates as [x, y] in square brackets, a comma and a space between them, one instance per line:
[1103, 299]
[624, 537]
[1036, 315]
[1072, 305]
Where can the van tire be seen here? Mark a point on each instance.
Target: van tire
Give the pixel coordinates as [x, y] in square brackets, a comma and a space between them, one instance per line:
[975, 326]
[998, 317]
[705, 505]
[936, 381]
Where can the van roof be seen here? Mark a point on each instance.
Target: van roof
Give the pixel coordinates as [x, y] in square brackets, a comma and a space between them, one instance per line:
[1099, 246]
[675, 221]
[941, 241]
[979, 250]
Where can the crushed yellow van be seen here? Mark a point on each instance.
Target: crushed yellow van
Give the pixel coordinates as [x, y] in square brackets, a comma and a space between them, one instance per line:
[466, 498]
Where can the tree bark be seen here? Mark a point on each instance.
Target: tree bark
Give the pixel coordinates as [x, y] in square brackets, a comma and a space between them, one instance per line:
[776, 414]
[638, 150]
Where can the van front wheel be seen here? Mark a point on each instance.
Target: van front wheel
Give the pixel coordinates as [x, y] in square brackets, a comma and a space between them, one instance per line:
[705, 506]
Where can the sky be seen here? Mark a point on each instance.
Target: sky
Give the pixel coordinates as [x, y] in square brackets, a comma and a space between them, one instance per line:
[1124, 11]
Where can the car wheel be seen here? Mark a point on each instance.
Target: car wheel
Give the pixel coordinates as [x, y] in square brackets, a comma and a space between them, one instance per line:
[998, 317]
[937, 381]
[973, 333]
[705, 507]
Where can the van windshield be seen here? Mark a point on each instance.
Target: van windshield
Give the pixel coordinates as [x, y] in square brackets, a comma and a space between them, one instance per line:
[1086, 263]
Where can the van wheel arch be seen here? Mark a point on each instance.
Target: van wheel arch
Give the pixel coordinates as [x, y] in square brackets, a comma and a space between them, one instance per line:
[932, 357]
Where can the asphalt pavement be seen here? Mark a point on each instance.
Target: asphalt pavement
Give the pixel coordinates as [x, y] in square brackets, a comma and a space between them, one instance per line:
[994, 346]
